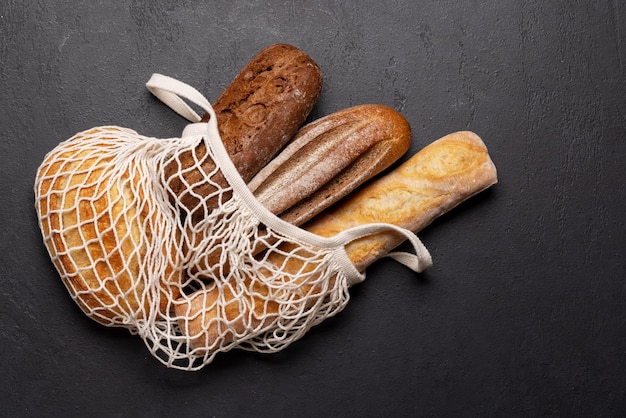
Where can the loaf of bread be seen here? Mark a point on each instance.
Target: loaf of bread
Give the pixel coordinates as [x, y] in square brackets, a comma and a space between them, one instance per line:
[329, 158]
[257, 114]
[97, 216]
[433, 181]
[430, 183]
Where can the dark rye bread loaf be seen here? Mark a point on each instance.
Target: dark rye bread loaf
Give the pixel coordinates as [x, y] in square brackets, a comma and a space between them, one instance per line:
[257, 114]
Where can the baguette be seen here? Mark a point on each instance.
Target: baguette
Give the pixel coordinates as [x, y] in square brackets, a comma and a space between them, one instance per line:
[432, 182]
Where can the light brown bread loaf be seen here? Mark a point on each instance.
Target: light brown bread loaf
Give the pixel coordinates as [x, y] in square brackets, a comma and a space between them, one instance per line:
[330, 157]
[432, 182]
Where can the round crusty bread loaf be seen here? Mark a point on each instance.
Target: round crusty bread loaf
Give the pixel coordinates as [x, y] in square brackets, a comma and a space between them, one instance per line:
[97, 218]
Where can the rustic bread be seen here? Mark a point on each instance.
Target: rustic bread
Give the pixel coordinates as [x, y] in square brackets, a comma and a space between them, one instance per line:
[326, 160]
[257, 114]
[330, 157]
[433, 181]
[98, 232]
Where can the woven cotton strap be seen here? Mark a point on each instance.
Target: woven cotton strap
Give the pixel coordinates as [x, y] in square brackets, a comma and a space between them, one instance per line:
[172, 92]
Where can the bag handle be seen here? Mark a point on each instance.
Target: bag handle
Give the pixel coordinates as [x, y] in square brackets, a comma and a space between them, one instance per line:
[171, 92]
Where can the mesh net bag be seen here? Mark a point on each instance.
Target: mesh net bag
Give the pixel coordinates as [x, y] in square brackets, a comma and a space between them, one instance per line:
[233, 275]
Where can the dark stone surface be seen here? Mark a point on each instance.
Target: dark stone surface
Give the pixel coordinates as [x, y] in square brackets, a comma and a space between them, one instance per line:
[524, 311]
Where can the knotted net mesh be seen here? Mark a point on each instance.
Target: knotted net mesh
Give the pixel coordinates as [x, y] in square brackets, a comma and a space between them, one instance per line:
[192, 280]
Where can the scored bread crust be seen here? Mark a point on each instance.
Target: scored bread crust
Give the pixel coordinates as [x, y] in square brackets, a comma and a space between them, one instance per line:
[329, 158]
[264, 106]
[97, 226]
[326, 160]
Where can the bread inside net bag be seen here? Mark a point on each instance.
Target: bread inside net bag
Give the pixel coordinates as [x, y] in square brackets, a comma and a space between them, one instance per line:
[117, 242]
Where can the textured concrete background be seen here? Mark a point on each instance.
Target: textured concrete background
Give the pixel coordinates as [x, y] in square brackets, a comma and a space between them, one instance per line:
[524, 311]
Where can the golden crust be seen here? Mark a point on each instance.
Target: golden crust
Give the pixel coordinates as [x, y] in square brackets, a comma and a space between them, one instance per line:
[330, 157]
[96, 230]
[433, 181]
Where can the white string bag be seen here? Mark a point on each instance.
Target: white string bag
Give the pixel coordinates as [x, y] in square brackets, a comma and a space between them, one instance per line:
[130, 257]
